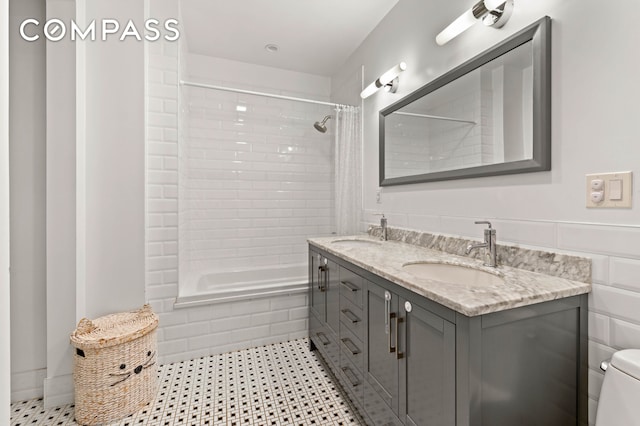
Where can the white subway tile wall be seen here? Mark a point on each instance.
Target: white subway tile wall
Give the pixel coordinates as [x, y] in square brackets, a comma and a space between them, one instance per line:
[289, 188]
[614, 304]
[258, 181]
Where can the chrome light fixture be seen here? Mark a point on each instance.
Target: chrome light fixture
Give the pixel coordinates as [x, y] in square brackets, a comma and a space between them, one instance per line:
[493, 13]
[388, 80]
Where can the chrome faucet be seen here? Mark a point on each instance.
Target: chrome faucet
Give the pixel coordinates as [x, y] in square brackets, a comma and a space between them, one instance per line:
[383, 226]
[489, 244]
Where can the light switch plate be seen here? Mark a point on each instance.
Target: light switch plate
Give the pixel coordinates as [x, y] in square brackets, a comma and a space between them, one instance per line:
[607, 202]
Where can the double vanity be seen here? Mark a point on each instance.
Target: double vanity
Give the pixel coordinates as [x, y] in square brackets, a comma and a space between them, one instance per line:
[419, 334]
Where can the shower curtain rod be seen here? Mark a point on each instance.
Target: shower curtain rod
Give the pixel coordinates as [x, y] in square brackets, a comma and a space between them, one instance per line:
[251, 92]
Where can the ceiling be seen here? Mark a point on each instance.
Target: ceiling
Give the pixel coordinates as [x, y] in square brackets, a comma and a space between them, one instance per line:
[313, 36]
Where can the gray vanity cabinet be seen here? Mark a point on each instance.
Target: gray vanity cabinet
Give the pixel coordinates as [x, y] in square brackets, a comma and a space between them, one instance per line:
[381, 366]
[428, 368]
[410, 362]
[351, 336]
[333, 297]
[317, 286]
[405, 360]
[324, 307]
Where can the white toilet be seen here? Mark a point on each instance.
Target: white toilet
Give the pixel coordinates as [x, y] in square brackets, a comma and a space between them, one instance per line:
[619, 403]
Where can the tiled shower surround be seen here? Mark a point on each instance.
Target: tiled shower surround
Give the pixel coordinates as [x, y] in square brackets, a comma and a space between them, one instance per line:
[258, 180]
[193, 332]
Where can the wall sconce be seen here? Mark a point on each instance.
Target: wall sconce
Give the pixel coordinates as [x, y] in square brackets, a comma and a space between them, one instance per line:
[388, 80]
[493, 13]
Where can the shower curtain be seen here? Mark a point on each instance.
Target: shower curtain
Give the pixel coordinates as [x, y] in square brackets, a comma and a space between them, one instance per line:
[348, 170]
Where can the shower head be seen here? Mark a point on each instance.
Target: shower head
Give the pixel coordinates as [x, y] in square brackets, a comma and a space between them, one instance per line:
[320, 126]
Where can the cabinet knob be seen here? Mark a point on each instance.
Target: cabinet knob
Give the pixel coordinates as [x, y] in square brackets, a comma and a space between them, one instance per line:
[407, 306]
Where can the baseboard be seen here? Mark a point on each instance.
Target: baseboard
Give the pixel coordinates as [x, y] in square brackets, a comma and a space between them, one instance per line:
[58, 391]
[27, 385]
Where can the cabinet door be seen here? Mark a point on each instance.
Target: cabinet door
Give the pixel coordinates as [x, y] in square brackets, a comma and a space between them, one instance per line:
[381, 364]
[333, 297]
[317, 283]
[427, 367]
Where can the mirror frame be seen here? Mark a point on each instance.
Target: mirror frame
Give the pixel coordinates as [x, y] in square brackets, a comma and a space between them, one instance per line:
[539, 33]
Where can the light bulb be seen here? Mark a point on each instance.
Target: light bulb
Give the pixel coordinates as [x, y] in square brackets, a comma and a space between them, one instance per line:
[369, 90]
[460, 25]
[383, 80]
[493, 4]
[388, 76]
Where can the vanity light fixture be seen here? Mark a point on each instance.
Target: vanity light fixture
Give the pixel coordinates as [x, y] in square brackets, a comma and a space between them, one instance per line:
[388, 80]
[493, 13]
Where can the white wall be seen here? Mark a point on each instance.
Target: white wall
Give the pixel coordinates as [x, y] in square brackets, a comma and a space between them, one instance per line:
[28, 237]
[5, 330]
[594, 126]
[61, 209]
[113, 165]
[95, 181]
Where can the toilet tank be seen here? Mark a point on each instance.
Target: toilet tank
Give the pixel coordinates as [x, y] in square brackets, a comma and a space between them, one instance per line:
[619, 402]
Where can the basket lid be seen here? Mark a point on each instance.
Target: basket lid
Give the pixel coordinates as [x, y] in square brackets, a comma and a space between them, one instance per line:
[114, 329]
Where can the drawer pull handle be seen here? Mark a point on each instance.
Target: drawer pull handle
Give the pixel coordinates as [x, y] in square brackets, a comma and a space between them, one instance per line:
[350, 286]
[323, 338]
[399, 355]
[392, 316]
[351, 346]
[322, 278]
[350, 376]
[350, 316]
[387, 309]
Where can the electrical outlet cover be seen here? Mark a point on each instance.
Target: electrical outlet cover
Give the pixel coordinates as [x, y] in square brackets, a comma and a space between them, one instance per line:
[611, 199]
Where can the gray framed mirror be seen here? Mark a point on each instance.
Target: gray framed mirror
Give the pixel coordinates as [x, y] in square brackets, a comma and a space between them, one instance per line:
[489, 116]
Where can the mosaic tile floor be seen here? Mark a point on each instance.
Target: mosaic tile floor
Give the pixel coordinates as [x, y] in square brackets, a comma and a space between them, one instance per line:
[279, 384]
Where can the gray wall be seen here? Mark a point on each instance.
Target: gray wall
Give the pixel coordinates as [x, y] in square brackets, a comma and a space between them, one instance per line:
[27, 201]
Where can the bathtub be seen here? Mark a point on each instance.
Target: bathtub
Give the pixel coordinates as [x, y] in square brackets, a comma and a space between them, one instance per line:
[208, 287]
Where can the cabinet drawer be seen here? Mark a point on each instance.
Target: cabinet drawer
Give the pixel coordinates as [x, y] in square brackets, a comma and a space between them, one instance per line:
[325, 341]
[352, 348]
[351, 380]
[352, 317]
[351, 285]
[317, 334]
[333, 350]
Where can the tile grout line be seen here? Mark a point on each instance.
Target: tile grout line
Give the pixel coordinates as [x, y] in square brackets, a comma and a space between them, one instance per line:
[280, 383]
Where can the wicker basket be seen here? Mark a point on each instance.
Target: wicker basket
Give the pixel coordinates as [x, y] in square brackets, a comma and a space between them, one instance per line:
[115, 372]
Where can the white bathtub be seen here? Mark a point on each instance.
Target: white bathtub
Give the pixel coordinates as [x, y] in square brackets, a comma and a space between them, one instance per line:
[220, 286]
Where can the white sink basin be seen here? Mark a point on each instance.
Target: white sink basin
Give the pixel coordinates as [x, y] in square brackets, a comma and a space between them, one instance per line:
[453, 274]
[356, 243]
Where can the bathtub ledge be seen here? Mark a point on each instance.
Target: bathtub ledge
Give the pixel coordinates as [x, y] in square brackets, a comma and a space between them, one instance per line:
[233, 296]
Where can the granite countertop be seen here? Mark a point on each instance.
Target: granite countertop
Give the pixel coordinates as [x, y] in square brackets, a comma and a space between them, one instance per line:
[386, 258]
